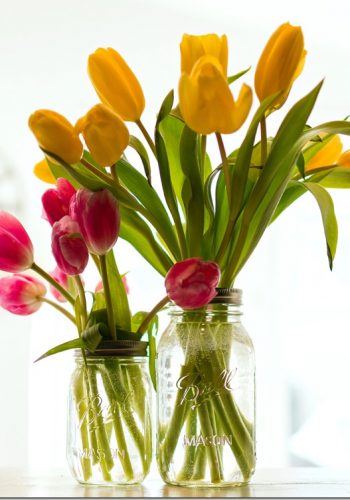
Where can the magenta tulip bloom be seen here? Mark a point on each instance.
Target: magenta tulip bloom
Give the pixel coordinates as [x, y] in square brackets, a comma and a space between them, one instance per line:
[68, 246]
[21, 294]
[56, 201]
[192, 282]
[16, 248]
[62, 278]
[97, 214]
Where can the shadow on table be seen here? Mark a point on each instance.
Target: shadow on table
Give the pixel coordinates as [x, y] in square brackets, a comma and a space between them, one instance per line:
[179, 491]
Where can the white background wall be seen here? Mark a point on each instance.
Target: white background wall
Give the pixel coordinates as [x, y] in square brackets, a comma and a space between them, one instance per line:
[296, 310]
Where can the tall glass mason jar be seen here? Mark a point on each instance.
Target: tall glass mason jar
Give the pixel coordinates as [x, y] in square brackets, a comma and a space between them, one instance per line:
[109, 436]
[206, 396]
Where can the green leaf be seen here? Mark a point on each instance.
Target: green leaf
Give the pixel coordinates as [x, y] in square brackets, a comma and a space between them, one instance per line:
[138, 319]
[71, 344]
[121, 311]
[194, 199]
[336, 177]
[301, 165]
[329, 220]
[137, 145]
[148, 197]
[272, 182]
[166, 106]
[235, 77]
[126, 335]
[93, 335]
[292, 192]
[171, 129]
[135, 230]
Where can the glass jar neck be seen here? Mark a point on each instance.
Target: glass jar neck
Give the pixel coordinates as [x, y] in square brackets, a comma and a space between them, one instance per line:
[211, 312]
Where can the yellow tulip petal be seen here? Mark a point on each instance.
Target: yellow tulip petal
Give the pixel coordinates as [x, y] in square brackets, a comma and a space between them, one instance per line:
[56, 134]
[193, 47]
[328, 155]
[42, 171]
[281, 62]
[344, 159]
[115, 84]
[105, 134]
[206, 102]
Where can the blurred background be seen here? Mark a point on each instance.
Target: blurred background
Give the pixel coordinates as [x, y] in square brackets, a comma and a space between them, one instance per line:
[296, 310]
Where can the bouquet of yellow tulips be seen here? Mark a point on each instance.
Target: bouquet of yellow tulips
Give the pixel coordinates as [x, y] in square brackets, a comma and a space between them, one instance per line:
[206, 219]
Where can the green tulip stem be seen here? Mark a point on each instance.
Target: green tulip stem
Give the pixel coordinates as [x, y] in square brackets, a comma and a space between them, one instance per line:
[313, 171]
[203, 153]
[59, 308]
[143, 327]
[147, 137]
[225, 167]
[105, 177]
[81, 292]
[263, 140]
[53, 282]
[114, 174]
[108, 297]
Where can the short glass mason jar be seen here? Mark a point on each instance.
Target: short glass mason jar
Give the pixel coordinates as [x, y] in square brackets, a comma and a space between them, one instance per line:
[109, 433]
[206, 396]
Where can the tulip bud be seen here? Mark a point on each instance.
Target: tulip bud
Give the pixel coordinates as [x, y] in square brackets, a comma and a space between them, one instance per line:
[327, 155]
[68, 246]
[21, 294]
[97, 215]
[16, 248]
[55, 134]
[206, 102]
[56, 201]
[115, 84]
[281, 62]
[42, 171]
[192, 282]
[105, 134]
[194, 47]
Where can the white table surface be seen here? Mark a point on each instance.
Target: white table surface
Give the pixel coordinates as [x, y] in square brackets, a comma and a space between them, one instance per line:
[292, 482]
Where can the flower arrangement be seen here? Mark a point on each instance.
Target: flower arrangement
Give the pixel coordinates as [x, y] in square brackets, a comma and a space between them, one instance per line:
[201, 227]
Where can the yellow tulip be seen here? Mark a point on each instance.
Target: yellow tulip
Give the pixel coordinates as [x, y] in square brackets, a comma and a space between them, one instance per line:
[206, 102]
[115, 84]
[42, 171]
[105, 134]
[280, 63]
[327, 155]
[194, 47]
[55, 134]
[344, 159]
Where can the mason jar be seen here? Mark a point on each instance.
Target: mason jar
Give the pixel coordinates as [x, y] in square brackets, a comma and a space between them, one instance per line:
[109, 433]
[206, 396]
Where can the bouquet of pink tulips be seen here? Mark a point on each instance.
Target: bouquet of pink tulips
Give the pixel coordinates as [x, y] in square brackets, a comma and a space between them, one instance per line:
[86, 223]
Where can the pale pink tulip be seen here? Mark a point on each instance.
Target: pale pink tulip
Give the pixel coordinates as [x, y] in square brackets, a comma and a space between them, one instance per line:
[192, 283]
[62, 278]
[21, 294]
[99, 286]
[16, 248]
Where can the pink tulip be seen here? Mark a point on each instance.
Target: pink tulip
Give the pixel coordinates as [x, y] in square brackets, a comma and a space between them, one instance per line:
[99, 286]
[68, 246]
[192, 282]
[62, 278]
[56, 201]
[21, 294]
[97, 214]
[16, 248]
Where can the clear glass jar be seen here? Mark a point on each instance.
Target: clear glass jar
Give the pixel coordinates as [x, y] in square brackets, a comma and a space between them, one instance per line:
[206, 396]
[109, 436]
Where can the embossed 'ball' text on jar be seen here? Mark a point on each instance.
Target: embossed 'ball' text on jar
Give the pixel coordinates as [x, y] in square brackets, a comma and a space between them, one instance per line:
[109, 428]
[206, 396]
